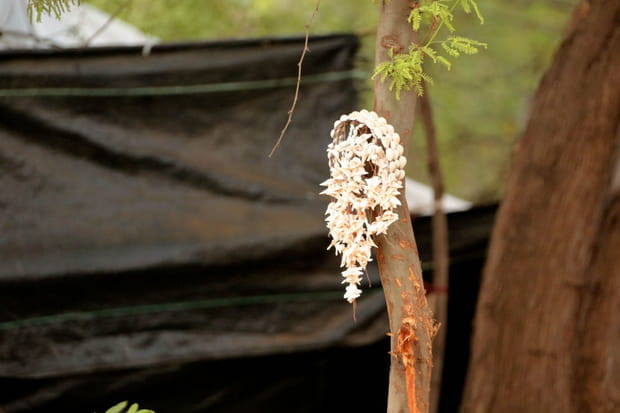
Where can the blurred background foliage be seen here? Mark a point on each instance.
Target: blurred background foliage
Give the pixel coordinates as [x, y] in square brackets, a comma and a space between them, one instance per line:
[481, 106]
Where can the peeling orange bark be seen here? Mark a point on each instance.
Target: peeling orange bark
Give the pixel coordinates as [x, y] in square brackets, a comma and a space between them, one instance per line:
[405, 337]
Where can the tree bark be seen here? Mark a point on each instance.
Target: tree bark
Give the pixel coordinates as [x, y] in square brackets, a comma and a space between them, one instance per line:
[547, 329]
[438, 294]
[411, 324]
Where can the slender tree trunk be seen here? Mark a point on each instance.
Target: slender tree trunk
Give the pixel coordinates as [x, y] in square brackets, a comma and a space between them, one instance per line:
[438, 294]
[411, 322]
[547, 329]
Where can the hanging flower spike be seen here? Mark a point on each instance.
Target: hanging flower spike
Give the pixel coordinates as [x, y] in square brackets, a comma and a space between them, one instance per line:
[367, 167]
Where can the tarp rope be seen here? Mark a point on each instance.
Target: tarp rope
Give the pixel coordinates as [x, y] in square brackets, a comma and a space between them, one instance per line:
[171, 307]
[182, 89]
[193, 305]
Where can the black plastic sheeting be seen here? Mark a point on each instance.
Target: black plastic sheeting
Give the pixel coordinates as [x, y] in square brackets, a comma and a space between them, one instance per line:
[151, 250]
[330, 379]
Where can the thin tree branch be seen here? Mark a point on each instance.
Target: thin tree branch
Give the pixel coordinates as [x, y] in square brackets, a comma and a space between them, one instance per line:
[411, 324]
[105, 25]
[441, 255]
[299, 66]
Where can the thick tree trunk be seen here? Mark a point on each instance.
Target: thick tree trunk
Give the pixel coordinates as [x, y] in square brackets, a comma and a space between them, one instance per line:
[411, 324]
[547, 330]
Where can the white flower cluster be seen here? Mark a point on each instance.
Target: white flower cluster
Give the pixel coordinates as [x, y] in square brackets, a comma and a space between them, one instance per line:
[367, 168]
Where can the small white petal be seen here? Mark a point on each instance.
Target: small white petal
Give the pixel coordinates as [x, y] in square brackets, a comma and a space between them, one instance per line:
[402, 162]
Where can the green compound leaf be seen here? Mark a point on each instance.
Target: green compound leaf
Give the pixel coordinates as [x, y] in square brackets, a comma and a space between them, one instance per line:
[451, 51]
[468, 5]
[430, 52]
[134, 408]
[444, 62]
[119, 408]
[429, 11]
[50, 7]
[464, 44]
[415, 18]
[405, 71]
[443, 12]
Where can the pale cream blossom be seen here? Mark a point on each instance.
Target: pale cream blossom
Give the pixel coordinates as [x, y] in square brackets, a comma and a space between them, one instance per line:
[367, 169]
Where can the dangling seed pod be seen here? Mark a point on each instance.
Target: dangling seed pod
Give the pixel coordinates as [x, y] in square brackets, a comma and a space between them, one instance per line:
[367, 168]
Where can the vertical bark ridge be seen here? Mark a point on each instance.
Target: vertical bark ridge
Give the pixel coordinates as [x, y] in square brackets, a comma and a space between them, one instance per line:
[550, 247]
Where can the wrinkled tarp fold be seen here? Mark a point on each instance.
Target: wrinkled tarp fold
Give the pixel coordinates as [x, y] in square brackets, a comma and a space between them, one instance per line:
[144, 229]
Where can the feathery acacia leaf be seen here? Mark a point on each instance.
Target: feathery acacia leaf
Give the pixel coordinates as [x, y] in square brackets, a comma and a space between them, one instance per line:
[429, 10]
[430, 52]
[50, 7]
[415, 18]
[444, 62]
[465, 44]
[405, 71]
[468, 5]
[134, 408]
[118, 408]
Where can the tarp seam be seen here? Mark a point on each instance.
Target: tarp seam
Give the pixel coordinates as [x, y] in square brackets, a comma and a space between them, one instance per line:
[183, 89]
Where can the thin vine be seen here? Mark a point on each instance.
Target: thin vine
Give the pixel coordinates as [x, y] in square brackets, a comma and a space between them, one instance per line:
[428, 18]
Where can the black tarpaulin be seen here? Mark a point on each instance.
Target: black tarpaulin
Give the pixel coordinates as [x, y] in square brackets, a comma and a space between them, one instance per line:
[150, 226]
[151, 177]
[151, 250]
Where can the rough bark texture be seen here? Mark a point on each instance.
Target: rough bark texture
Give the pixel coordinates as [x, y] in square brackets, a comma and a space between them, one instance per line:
[438, 294]
[411, 323]
[547, 329]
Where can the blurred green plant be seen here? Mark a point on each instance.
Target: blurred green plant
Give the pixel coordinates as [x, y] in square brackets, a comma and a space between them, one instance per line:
[122, 408]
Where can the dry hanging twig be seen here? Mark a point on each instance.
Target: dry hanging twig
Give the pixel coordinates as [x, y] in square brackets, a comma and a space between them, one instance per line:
[105, 25]
[299, 65]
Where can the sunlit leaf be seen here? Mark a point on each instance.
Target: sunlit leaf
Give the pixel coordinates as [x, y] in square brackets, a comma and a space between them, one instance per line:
[119, 408]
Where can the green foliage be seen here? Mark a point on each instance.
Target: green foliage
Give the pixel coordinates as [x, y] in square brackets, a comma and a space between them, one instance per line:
[468, 5]
[134, 408]
[432, 54]
[431, 12]
[50, 7]
[455, 45]
[406, 71]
